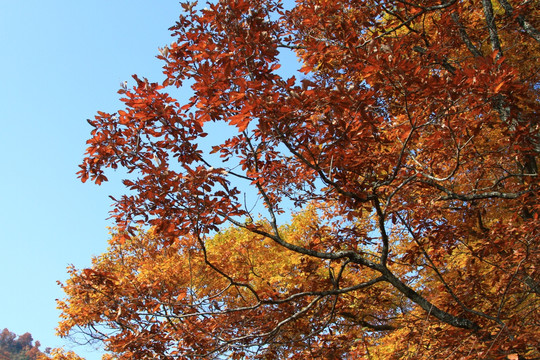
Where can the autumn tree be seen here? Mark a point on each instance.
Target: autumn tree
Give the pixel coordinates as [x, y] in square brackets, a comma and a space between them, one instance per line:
[13, 347]
[382, 204]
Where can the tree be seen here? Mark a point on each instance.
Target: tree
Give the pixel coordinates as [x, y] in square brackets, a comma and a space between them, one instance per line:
[407, 152]
[13, 347]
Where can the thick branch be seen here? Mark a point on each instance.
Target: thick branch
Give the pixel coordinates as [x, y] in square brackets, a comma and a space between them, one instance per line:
[533, 285]
[464, 36]
[426, 305]
[492, 28]
[527, 27]
[441, 278]
[470, 197]
[345, 254]
[382, 228]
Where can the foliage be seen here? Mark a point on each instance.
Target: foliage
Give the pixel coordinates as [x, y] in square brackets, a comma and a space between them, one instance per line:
[61, 354]
[13, 347]
[407, 153]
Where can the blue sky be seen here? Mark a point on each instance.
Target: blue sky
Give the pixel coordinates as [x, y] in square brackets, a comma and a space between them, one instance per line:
[61, 61]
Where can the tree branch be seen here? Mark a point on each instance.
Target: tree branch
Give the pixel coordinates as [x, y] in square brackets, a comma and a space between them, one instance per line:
[464, 36]
[428, 306]
[363, 323]
[492, 28]
[527, 26]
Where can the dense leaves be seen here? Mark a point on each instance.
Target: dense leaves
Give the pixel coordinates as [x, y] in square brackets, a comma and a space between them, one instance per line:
[405, 151]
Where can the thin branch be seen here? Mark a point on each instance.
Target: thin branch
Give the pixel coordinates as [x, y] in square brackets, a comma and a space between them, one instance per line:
[410, 19]
[397, 189]
[366, 324]
[219, 271]
[445, 64]
[320, 172]
[503, 297]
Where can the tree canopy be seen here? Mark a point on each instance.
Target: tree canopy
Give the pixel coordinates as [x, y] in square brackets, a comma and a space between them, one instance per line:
[381, 205]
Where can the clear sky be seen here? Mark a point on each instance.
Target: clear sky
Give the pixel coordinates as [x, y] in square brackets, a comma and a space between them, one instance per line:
[60, 62]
